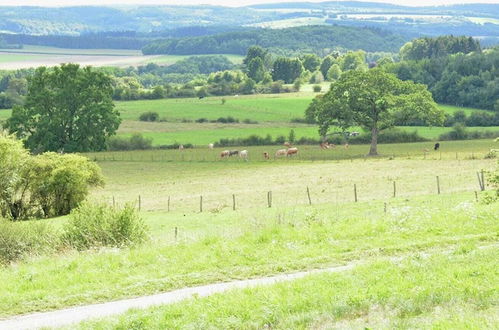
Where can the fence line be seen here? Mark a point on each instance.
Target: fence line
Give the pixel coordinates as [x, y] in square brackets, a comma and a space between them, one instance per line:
[182, 203]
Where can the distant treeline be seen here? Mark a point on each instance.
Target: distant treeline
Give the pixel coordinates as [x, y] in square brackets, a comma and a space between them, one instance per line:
[320, 40]
[442, 46]
[470, 80]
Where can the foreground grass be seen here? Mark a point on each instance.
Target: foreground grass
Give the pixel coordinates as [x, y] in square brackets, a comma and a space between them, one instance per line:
[253, 244]
[443, 291]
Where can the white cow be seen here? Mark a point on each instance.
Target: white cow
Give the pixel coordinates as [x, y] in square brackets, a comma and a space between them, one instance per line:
[243, 154]
[211, 145]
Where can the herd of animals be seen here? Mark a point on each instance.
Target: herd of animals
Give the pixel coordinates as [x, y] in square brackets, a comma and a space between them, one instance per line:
[288, 152]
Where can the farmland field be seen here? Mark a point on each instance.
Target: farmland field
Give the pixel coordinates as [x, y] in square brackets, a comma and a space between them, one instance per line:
[220, 244]
[34, 56]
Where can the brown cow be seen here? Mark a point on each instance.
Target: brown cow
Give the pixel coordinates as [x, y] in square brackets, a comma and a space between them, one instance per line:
[266, 155]
[291, 151]
[225, 153]
[281, 152]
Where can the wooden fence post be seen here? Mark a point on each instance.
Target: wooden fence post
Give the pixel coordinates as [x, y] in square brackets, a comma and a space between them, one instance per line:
[394, 189]
[269, 198]
[176, 233]
[438, 185]
[480, 181]
[476, 196]
[355, 191]
[309, 199]
[201, 203]
[233, 202]
[140, 203]
[168, 203]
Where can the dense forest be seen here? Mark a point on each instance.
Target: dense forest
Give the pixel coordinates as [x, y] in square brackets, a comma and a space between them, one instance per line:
[307, 39]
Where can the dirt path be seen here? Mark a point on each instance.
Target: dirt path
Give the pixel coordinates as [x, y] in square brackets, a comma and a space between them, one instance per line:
[68, 316]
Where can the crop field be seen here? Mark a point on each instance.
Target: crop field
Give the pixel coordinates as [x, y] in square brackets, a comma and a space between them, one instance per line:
[189, 245]
[34, 56]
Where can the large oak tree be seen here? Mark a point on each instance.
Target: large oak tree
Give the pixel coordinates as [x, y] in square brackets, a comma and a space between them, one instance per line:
[67, 109]
[372, 99]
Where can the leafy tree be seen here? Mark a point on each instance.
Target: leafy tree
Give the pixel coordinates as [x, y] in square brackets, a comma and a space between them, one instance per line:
[438, 47]
[310, 62]
[256, 70]
[353, 61]
[287, 69]
[327, 62]
[334, 72]
[373, 100]
[13, 160]
[67, 109]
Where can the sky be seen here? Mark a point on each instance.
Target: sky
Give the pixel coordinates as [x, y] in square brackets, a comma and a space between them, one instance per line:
[233, 3]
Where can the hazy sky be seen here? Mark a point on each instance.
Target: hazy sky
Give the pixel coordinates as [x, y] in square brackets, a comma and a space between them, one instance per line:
[215, 2]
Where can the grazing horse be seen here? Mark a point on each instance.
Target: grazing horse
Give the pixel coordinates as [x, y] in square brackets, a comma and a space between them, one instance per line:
[243, 154]
[437, 146]
[266, 155]
[225, 153]
[291, 151]
[281, 152]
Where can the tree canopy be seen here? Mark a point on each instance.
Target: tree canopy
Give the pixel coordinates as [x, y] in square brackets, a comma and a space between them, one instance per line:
[374, 100]
[67, 108]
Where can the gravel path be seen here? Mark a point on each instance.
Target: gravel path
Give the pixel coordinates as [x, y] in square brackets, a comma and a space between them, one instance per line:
[72, 315]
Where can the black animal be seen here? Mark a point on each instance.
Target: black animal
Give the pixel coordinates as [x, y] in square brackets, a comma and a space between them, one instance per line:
[437, 146]
[201, 97]
[233, 152]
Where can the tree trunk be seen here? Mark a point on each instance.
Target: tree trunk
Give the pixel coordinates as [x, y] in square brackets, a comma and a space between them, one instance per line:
[373, 151]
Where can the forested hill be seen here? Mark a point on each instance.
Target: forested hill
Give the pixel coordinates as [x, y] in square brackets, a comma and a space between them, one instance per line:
[312, 39]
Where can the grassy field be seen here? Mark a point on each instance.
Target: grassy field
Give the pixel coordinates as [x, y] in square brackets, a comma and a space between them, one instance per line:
[184, 176]
[221, 244]
[269, 107]
[443, 291]
[245, 245]
[170, 59]
[202, 134]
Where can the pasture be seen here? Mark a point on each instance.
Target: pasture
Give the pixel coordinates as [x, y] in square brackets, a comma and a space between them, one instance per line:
[188, 247]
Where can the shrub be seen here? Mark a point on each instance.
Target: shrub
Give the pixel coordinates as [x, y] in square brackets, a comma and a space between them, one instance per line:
[202, 120]
[98, 225]
[459, 132]
[149, 116]
[135, 142]
[317, 88]
[46, 185]
[18, 240]
[249, 121]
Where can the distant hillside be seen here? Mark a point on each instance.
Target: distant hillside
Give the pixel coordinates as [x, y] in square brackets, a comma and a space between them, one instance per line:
[316, 39]
[481, 19]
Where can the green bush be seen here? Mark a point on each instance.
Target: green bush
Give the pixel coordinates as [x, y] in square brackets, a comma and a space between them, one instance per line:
[149, 116]
[45, 185]
[21, 239]
[135, 142]
[317, 88]
[459, 132]
[98, 225]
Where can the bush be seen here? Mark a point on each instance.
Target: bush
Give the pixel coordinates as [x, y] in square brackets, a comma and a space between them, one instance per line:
[459, 132]
[135, 142]
[18, 240]
[46, 185]
[317, 88]
[249, 121]
[98, 225]
[149, 116]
